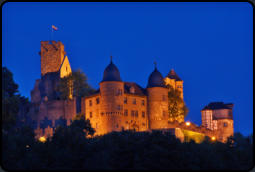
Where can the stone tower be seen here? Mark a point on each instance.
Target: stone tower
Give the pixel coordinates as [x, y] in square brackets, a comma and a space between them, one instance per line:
[157, 101]
[175, 81]
[52, 55]
[112, 99]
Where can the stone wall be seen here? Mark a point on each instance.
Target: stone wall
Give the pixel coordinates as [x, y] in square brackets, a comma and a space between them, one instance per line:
[49, 114]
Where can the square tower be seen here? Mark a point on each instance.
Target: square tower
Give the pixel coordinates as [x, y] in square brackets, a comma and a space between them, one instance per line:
[52, 55]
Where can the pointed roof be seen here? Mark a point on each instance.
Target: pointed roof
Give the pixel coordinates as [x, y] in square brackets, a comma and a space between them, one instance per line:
[173, 75]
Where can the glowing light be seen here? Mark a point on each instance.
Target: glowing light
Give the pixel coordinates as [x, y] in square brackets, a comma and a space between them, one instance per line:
[187, 123]
[213, 138]
[42, 139]
[27, 146]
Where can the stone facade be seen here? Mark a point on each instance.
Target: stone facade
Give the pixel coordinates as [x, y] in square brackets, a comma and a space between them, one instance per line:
[218, 117]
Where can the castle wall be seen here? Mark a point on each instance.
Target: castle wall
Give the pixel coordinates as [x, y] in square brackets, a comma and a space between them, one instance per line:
[225, 129]
[35, 93]
[50, 112]
[157, 107]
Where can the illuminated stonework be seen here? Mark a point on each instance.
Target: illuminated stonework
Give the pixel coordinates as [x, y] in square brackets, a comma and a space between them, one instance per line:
[118, 105]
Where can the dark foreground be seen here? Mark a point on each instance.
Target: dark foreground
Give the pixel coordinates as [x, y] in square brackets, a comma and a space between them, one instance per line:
[68, 149]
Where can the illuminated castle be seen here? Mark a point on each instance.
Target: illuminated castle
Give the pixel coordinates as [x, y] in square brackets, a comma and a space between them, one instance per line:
[117, 105]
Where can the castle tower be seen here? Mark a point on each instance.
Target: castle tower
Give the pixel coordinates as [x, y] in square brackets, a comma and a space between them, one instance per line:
[54, 65]
[112, 99]
[52, 55]
[157, 101]
[175, 81]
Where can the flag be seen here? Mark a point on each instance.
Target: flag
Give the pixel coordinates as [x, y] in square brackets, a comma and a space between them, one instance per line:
[54, 27]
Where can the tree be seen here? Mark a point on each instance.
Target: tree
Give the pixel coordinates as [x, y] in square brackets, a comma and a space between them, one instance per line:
[176, 106]
[77, 80]
[10, 99]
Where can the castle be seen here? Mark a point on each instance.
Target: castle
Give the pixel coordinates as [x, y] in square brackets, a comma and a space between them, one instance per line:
[118, 105]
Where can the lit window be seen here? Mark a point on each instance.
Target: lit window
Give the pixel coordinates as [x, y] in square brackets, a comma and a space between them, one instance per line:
[134, 101]
[132, 90]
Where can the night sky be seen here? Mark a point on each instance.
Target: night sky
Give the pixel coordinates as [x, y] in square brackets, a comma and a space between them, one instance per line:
[209, 45]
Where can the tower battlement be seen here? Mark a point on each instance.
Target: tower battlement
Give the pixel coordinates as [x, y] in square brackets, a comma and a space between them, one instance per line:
[52, 55]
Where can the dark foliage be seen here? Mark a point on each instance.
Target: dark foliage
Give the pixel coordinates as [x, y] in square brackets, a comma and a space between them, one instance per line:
[70, 149]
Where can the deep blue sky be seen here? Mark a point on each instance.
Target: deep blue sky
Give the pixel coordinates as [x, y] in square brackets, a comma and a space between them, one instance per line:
[209, 45]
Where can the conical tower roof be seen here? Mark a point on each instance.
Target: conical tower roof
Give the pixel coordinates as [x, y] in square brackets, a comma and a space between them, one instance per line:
[111, 73]
[173, 75]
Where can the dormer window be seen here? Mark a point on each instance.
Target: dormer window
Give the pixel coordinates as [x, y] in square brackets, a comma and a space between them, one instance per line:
[132, 90]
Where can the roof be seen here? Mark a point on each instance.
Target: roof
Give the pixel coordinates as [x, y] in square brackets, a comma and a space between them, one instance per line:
[111, 73]
[155, 79]
[173, 75]
[218, 105]
[138, 90]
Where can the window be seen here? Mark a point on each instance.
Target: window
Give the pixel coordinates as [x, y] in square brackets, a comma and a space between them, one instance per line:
[119, 92]
[134, 101]
[136, 113]
[164, 97]
[125, 112]
[90, 102]
[225, 124]
[143, 114]
[117, 126]
[97, 101]
[143, 102]
[90, 114]
[102, 113]
[132, 90]
[118, 107]
[125, 100]
[132, 113]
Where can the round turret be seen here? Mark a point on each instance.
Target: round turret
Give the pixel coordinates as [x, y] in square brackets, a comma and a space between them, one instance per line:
[111, 73]
[155, 79]
[157, 101]
[112, 98]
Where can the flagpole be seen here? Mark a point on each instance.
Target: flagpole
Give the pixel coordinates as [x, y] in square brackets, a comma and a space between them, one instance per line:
[51, 33]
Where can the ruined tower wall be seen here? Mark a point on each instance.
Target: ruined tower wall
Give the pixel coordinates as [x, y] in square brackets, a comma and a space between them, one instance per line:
[52, 54]
[157, 107]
